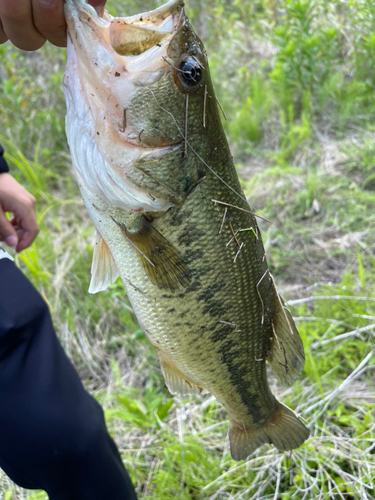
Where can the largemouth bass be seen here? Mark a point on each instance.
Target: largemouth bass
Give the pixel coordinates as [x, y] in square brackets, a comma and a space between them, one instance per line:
[157, 177]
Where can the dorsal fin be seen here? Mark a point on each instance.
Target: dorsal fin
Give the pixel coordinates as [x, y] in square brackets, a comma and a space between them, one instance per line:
[287, 356]
[103, 269]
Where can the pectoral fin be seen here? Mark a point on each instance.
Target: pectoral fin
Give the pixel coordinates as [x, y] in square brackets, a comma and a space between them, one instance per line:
[160, 259]
[103, 269]
[287, 356]
[176, 382]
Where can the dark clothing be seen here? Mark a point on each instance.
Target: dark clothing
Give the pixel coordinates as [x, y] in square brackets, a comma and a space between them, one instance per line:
[52, 432]
[3, 164]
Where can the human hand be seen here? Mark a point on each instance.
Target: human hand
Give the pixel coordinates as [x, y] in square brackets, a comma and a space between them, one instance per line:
[23, 228]
[29, 23]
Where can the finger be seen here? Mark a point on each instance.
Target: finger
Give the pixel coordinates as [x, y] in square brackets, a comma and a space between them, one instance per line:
[17, 20]
[7, 231]
[49, 20]
[26, 238]
[3, 37]
[26, 225]
[20, 233]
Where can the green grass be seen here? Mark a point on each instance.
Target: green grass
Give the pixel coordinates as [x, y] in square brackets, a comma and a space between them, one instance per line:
[296, 79]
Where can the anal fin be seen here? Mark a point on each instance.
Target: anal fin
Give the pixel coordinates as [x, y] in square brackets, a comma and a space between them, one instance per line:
[176, 382]
[287, 356]
[284, 431]
[103, 269]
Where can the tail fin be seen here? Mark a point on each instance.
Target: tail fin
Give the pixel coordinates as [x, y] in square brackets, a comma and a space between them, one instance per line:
[284, 431]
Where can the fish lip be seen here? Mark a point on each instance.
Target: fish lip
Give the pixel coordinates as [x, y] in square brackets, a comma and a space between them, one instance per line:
[156, 17]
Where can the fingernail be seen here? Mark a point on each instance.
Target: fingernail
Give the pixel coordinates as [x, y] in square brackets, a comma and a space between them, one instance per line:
[11, 241]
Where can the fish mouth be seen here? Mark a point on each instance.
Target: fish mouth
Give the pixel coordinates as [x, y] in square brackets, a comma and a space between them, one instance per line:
[127, 36]
[134, 35]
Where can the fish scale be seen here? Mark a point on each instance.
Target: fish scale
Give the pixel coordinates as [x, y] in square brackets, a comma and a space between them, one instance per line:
[151, 157]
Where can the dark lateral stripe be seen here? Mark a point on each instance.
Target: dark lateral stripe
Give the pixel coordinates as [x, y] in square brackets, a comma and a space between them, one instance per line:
[229, 352]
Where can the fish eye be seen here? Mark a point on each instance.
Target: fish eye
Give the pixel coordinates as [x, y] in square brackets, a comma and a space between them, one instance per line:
[189, 72]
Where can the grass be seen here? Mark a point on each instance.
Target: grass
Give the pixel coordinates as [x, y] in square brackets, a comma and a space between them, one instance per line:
[295, 78]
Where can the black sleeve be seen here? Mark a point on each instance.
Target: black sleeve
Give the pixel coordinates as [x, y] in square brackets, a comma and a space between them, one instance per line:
[3, 164]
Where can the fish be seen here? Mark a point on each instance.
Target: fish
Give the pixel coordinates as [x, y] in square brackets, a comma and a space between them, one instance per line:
[159, 182]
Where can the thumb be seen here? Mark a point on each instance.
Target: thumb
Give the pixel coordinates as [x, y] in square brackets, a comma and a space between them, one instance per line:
[7, 231]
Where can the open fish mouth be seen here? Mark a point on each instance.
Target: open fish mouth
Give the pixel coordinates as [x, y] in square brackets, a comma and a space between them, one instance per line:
[132, 36]
[136, 43]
